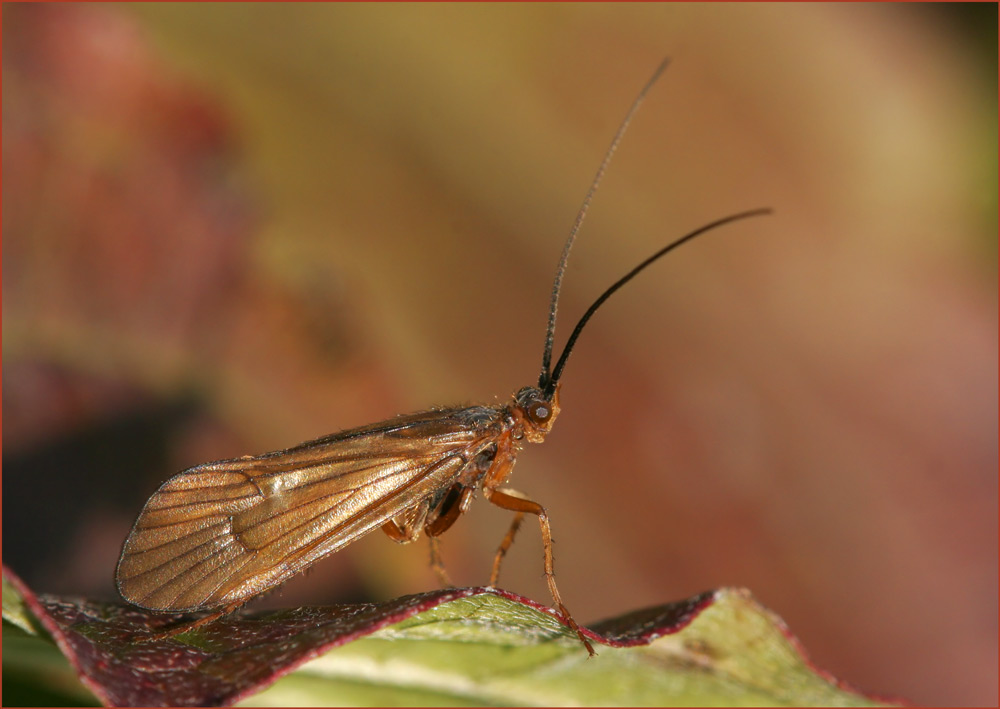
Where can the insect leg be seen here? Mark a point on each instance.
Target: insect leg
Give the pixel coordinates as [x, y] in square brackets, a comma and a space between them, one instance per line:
[406, 526]
[508, 540]
[440, 521]
[505, 500]
[396, 533]
[179, 628]
[437, 563]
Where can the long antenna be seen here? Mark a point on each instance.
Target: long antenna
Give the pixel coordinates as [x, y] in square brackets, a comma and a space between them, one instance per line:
[546, 379]
[557, 372]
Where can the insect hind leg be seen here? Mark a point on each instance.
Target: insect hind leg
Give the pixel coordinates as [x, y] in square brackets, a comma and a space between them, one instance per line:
[437, 563]
[183, 627]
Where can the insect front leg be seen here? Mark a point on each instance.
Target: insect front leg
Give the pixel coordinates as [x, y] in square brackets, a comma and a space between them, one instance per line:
[510, 500]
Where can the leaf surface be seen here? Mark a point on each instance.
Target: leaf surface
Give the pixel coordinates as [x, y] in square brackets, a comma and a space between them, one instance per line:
[464, 646]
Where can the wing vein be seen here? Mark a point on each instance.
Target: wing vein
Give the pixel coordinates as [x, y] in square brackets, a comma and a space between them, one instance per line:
[354, 493]
[357, 515]
[175, 540]
[194, 504]
[186, 554]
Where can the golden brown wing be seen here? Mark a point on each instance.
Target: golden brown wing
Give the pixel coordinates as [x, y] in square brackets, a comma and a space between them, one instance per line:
[220, 533]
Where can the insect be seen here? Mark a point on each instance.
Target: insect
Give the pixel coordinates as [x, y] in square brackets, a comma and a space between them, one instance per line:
[216, 535]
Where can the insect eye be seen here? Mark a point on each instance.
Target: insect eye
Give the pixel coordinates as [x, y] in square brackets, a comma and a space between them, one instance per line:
[540, 412]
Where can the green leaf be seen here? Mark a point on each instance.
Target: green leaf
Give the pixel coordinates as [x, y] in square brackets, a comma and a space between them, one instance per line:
[448, 648]
[491, 650]
[13, 609]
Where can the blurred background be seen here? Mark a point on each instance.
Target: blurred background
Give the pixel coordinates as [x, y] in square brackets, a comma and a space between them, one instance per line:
[231, 228]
